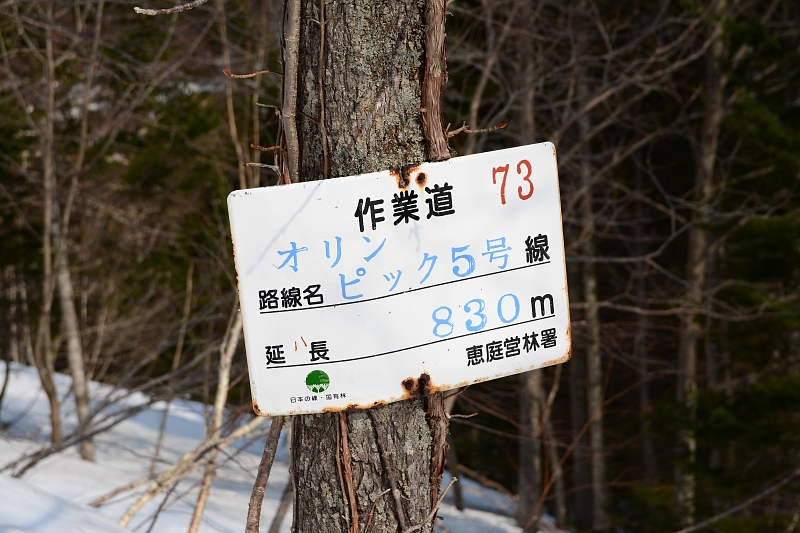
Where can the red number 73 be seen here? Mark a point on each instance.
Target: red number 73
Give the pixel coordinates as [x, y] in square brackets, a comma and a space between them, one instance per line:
[526, 178]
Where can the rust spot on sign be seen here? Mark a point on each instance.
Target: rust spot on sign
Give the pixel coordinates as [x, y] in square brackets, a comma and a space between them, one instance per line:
[569, 340]
[422, 179]
[417, 387]
[557, 360]
[403, 176]
[352, 407]
[257, 409]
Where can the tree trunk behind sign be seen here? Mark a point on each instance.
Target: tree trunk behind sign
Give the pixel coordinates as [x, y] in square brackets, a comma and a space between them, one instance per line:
[363, 112]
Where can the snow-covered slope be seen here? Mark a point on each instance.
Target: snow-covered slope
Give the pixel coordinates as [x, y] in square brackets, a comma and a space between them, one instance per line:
[52, 496]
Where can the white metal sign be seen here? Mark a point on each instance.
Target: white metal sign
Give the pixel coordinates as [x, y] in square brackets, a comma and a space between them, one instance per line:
[375, 288]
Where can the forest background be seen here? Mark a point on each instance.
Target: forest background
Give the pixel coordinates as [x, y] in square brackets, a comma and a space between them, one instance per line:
[677, 126]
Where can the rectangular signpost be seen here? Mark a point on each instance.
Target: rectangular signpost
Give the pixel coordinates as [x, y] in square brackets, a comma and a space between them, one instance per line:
[375, 288]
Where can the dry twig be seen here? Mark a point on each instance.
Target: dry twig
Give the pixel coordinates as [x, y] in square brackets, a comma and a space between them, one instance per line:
[268, 148]
[169, 11]
[387, 466]
[435, 72]
[251, 75]
[264, 468]
[290, 67]
[119, 490]
[463, 416]
[465, 129]
[345, 465]
[273, 168]
[186, 465]
[320, 74]
[368, 523]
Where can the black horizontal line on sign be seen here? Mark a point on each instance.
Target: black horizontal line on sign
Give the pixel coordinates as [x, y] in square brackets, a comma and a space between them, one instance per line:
[312, 307]
[315, 363]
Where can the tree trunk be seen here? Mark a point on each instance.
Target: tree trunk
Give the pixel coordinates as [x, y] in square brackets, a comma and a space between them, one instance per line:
[691, 330]
[360, 111]
[640, 352]
[13, 322]
[531, 391]
[227, 350]
[581, 480]
[594, 364]
[530, 447]
[43, 350]
[27, 343]
[645, 404]
[556, 470]
[69, 319]
[71, 330]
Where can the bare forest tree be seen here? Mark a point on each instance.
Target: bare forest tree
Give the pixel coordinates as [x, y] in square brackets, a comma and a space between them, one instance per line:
[391, 55]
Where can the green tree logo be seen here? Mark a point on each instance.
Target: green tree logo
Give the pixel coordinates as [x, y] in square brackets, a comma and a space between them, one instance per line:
[317, 381]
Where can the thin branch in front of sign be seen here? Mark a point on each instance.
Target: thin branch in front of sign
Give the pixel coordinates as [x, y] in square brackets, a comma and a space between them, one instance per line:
[307, 117]
[276, 108]
[267, 148]
[368, 523]
[436, 413]
[169, 11]
[344, 465]
[387, 466]
[273, 168]
[465, 129]
[291, 61]
[251, 75]
[434, 75]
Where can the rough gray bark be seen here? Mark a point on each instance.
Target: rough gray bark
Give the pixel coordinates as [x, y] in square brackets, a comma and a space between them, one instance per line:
[372, 87]
[373, 64]
[335, 489]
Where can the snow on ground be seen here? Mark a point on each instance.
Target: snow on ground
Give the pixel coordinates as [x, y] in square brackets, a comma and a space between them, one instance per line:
[52, 496]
